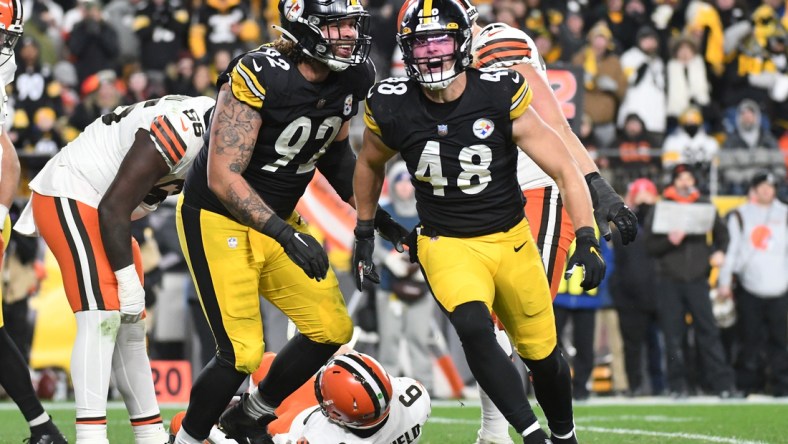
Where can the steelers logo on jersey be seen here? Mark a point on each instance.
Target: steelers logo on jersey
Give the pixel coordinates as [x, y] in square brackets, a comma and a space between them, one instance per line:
[482, 128]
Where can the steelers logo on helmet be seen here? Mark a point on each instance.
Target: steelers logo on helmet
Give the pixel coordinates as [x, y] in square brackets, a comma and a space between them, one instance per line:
[435, 39]
[10, 28]
[293, 9]
[334, 32]
[353, 390]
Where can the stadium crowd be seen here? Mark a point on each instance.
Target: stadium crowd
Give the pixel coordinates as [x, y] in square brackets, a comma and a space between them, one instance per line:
[681, 100]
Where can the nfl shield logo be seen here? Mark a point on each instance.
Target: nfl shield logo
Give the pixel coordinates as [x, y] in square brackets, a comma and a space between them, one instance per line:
[443, 130]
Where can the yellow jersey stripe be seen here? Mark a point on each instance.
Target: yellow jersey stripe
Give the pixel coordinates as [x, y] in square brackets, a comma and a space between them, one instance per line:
[370, 121]
[246, 88]
[427, 12]
[520, 101]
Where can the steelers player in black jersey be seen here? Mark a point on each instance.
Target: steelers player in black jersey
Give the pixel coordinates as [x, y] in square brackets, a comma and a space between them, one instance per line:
[458, 130]
[283, 110]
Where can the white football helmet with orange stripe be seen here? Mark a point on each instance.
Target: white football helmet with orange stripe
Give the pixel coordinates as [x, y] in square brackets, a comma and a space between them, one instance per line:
[354, 391]
[10, 28]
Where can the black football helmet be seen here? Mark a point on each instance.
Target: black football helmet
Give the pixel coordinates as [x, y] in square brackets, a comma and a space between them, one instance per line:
[423, 20]
[301, 22]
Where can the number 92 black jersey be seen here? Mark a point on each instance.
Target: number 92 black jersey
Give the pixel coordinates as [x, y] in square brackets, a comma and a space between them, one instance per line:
[300, 120]
[460, 155]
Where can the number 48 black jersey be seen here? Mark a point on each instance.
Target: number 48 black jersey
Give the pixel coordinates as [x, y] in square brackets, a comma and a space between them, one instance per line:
[460, 154]
[300, 120]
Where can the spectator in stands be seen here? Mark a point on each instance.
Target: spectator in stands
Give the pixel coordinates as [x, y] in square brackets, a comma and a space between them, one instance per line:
[101, 95]
[93, 42]
[749, 133]
[633, 289]
[162, 27]
[34, 85]
[638, 153]
[754, 273]
[758, 70]
[44, 26]
[404, 303]
[687, 81]
[623, 18]
[571, 37]
[683, 265]
[734, 16]
[605, 82]
[120, 15]
[645, 72]
[383, 19]
[43, 137]
[689, 144]
[703, 25]
[222, 24]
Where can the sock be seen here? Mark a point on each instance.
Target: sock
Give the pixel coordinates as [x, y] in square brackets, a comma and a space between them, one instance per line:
[210, 394]
[493, 422]
[534, 435]
[493, 370]
[39, 420]
[566, 436]
[256, 407]
[15, 378]
[298, 361]
[131, 369]
[552, 382]
[183, 437]
[91, 366]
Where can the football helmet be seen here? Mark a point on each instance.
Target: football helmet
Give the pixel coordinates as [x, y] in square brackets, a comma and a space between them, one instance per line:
[425, 24]
[473, 13]
[10, 28]
[302, 21]
[354, 391]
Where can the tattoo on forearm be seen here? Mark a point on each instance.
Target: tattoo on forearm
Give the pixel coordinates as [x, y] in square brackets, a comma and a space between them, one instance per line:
[247, 206]
[233, 137]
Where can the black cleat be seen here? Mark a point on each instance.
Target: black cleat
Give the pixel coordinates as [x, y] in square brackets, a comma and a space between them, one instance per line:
[237, 425]
[536, 437]
[46, 433]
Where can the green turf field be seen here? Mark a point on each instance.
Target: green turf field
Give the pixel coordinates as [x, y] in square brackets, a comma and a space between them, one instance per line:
[598, 421]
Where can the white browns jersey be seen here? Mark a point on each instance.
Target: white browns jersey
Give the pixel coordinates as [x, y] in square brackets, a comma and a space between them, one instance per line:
[500, 46]
[86, 167]
[410, 409]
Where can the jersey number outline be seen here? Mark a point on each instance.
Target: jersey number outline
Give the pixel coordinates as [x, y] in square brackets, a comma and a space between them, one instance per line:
[430, 169]
[115, 117]
[196, 123]
[413, 393]
[288, 149]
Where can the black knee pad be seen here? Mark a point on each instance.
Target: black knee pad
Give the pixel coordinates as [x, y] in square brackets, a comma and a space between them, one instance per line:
[472, 321]
[553, 364]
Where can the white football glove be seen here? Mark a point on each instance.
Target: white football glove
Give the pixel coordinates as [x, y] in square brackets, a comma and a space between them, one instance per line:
[130, 294]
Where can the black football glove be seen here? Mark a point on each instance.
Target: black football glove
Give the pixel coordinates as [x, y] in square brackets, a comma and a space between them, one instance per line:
[301, 248]
[390, 230]
[588, 257]
[411, 240]
[362, 265]
[609, 207]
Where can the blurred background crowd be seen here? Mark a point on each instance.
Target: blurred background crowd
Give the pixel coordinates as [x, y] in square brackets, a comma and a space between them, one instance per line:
[661, 88]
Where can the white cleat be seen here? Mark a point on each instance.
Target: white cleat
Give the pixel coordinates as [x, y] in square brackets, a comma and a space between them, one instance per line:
[491, 439]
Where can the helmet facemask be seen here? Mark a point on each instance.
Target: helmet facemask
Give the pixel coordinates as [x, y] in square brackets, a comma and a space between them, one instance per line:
[8, 41]
[320, 36]
[434, 58]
